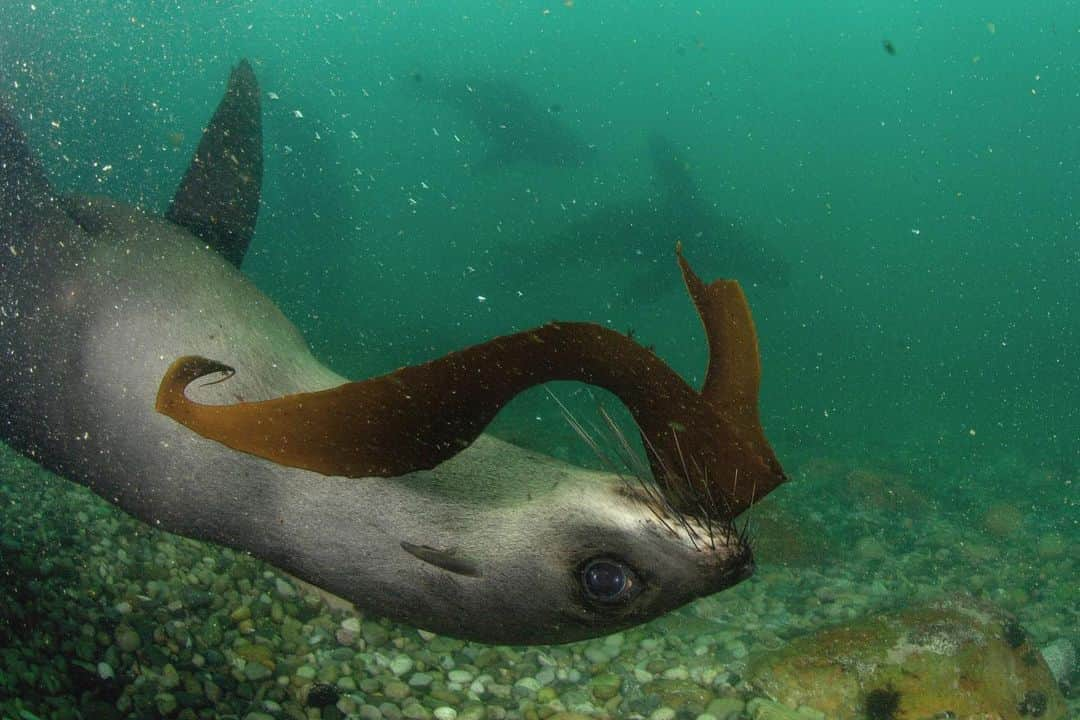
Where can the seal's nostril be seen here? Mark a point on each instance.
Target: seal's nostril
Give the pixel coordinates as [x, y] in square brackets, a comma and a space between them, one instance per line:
[738, 572]
[733, 574]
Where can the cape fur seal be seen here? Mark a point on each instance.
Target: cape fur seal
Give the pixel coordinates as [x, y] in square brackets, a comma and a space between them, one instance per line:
[109, 314]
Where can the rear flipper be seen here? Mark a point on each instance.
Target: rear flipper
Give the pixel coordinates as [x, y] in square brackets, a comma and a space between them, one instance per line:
[33, 225]
[218, 199]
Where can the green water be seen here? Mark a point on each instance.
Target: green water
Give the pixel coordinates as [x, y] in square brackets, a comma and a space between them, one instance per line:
[924, 200]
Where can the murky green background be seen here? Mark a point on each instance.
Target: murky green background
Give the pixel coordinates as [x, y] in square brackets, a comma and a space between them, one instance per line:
[914, 211]
[924, 200]
[917, 212]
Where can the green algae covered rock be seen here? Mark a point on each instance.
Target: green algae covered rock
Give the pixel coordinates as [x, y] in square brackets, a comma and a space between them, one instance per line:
[955, 658]
[680, 694]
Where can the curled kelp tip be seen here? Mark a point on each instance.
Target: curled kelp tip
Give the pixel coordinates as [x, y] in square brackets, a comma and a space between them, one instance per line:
[184, 371]
[707, 451]
[733, 379]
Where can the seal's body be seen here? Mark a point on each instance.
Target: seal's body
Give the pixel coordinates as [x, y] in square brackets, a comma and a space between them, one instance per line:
[497, 544]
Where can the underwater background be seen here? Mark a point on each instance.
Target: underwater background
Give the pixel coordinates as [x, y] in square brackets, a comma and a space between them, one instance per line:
[894, 184]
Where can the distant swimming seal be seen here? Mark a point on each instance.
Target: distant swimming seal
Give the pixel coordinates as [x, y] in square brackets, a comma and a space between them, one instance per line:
[98, 300]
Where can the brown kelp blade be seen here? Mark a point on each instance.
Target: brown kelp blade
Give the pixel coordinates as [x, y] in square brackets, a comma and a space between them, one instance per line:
[733, 377]
[707, 450]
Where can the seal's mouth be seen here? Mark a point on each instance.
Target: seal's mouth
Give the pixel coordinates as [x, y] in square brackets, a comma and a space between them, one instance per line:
[730, 570]
[742, 569]
[733, 576]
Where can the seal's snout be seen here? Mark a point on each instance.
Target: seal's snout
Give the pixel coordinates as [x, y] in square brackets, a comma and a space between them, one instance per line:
[735, 571]
[744, 571]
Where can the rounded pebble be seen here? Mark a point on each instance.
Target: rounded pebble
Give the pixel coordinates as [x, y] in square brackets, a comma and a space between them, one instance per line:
[462, 677]
[401, 665]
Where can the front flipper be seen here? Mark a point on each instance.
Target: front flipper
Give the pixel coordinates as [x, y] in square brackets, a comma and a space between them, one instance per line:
[445, 559]
[707, 450]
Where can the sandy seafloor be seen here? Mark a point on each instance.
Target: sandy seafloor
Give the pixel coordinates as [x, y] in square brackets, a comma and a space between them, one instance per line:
[102, 616]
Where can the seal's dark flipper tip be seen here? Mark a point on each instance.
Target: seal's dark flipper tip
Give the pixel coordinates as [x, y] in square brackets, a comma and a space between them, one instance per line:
[218, 199]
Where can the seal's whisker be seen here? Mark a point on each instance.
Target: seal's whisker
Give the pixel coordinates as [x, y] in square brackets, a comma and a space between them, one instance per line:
[578, 427]
[670, 489]
[571, 419]
[626, 458]
[682, 458]
[744, 533]
[665, 472]
[688, 481]
[683, 501]
[725, 498]
[701, 474]
[745, 536]
[709, 499]
[639, 469]
[584, 434]
[632, 457]
[697, 497]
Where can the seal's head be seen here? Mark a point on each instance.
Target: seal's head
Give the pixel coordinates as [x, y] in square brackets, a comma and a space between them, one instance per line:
[627, 564]
[576, 554]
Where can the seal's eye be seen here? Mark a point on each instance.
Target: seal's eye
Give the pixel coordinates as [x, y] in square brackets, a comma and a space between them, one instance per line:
[607, 580]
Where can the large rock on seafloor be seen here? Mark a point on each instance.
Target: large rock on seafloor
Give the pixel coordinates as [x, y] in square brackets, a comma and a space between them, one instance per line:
[953, 658]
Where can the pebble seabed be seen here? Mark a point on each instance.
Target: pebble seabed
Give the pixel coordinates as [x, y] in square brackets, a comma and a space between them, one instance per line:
[104, 617]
